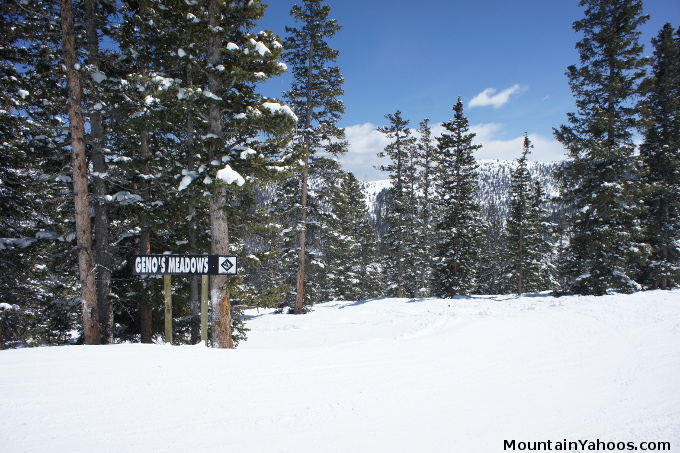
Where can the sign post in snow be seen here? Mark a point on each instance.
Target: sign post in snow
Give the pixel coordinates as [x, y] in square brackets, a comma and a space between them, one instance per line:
[168, 265]
[184, 265]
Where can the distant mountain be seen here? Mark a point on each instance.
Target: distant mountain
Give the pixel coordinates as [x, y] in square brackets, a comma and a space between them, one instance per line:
[494, 185]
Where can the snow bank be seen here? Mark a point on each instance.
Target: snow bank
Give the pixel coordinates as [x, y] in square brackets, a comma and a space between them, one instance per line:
[387, 375]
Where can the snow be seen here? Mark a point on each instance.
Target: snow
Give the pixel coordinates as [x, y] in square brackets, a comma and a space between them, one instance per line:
[230, 176]
[261, 48]
[184, 183]
[181, 52]
[211, 95]
[275, 107]
[247, 152]
[98, 76]
[386, 375]
[232, 46]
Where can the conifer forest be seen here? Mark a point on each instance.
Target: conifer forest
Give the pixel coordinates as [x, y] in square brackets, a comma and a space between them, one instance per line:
[139, 127]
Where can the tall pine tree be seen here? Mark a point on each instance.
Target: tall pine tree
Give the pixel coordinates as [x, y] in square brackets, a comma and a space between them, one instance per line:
[398, 240]
[459, 218]
[314, 94]
[529, 235]
[661, 155]
[600, 181]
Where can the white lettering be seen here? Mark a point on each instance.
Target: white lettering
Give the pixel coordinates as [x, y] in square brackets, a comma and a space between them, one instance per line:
[193, 265]
[163, 265]
[171, 267]
[138, 264]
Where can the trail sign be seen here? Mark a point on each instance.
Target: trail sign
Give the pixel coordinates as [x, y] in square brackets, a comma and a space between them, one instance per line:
[184, 265]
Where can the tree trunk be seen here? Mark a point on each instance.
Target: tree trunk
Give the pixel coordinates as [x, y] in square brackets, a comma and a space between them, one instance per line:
[219, 295]
[145, 313]
[194, 292]
[86, 270]
[102, 252]
[219, 225]
[300, 295]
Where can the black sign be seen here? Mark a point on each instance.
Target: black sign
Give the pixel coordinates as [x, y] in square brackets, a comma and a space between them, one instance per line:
[184, 265]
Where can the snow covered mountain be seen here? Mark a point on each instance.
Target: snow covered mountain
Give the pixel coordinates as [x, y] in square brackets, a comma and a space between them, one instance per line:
[494, 184]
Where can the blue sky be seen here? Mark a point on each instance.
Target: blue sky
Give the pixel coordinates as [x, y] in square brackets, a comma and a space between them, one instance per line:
[506, 60]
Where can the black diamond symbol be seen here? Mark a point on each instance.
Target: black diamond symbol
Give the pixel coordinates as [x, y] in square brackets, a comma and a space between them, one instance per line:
[226, 265]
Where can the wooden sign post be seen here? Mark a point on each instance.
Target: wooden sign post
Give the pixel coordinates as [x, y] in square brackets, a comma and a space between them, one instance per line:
[167, 292]
[205, 285]
[168, 265]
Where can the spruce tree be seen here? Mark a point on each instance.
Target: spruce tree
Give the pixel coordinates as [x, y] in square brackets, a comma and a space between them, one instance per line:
[398, 240]
[314, 93]
[661, 155]
[459, 222]
[38, 296]
[425, 162]
[349, 244]
[493, 267]
[529, 234]
[200, 63]
[601, 182]
[518, 220]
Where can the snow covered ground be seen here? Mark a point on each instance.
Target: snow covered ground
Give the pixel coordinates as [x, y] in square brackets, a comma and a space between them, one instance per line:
[387, 375]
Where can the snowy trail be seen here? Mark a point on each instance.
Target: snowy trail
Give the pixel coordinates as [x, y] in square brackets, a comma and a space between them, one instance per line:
[384, 375]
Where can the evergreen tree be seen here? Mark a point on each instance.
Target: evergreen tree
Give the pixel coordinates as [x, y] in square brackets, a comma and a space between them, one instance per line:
[529, 234]
[37, 297]
[425, 160]
[601, 182]
[351, 271]
[200, 63]
[398, 240]
[518, 222]
[661, 155]
[314, 97]
[493, 267]
[459, 223]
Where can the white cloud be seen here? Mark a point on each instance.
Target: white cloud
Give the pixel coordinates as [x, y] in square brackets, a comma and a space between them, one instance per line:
[487, 97]
[365, 142]
[546, 149]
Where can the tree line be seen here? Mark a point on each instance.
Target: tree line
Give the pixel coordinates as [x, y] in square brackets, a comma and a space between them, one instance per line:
[139, 127]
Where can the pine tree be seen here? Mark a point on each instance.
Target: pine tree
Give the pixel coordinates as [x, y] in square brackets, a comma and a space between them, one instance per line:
[529, 235]
[459, 219]
[398, 242]
[518, 221]
[425, 160]
[314, 97]
[201, 64]
[601, 182]
[493, 267]
[661, 155]
[349, 254]
[37, 297]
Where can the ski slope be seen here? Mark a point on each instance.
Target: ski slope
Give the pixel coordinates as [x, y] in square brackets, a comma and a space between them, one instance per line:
[386, 375]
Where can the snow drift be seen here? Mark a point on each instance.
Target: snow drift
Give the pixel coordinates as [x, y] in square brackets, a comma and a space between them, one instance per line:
[391, 375]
